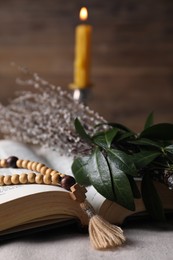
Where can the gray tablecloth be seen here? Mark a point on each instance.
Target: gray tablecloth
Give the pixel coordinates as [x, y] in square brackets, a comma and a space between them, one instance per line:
[145, 240]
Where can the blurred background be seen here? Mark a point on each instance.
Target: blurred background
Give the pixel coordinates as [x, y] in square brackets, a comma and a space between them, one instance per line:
[132, 52]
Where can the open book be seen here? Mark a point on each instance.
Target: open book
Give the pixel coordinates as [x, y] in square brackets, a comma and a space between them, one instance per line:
[30, 206]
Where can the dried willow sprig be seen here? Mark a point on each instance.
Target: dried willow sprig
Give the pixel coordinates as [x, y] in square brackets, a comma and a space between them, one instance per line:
[45, 114]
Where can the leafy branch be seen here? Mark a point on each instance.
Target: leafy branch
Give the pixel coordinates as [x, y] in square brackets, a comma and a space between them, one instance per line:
[118, 156]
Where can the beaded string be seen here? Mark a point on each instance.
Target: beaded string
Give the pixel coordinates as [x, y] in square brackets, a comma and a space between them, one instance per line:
[46, 176]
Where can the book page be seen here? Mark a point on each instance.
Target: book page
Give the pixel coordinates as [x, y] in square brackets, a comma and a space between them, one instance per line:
[53, 159]
[63, 164]
[22, 151]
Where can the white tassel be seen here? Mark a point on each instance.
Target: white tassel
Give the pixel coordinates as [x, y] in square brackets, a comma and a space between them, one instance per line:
[103, 235]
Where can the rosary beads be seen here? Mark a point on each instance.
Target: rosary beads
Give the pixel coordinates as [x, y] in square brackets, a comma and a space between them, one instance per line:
[103, 235]
[46, 176]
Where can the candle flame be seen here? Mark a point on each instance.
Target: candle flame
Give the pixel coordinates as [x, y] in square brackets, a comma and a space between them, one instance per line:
[83, 15]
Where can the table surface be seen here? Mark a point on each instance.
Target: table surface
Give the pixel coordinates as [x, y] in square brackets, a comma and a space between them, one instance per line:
[145, 240]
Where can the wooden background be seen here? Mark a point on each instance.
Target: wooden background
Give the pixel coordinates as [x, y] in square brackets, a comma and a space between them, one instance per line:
[132, 52]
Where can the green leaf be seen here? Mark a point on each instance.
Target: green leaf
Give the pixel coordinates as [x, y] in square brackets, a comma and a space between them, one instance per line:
[104, 139]
[169, 148]
[80, 170]
[123, 162]
[146, 142]
[169, 152]
[81, 131]
[144, 158]
[134, 187]
[121, 184]
[100, 175]
[163, 131]
[149, 121]
[121, 127]
[151, 199]
[125, 136]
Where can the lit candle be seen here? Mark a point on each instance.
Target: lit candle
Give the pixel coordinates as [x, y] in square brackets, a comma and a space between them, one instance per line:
[82, 61]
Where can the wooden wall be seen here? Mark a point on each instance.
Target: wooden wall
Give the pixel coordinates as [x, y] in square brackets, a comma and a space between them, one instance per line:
[132, 52]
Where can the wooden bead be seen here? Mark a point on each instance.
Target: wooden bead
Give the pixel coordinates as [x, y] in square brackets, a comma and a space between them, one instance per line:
[23, 178]
[55, 178]
[19, 163]
[29, 165]
[24, 164]
[39, 166]
[43, 170]
[1, 180]
[48, 171]
[11, 161]
[67, 181]
[3, 163]
[31, 177]
[39, 179]
[7, 180]
[54, 172]
[34, 165]
[15, 179]
[47, 179]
